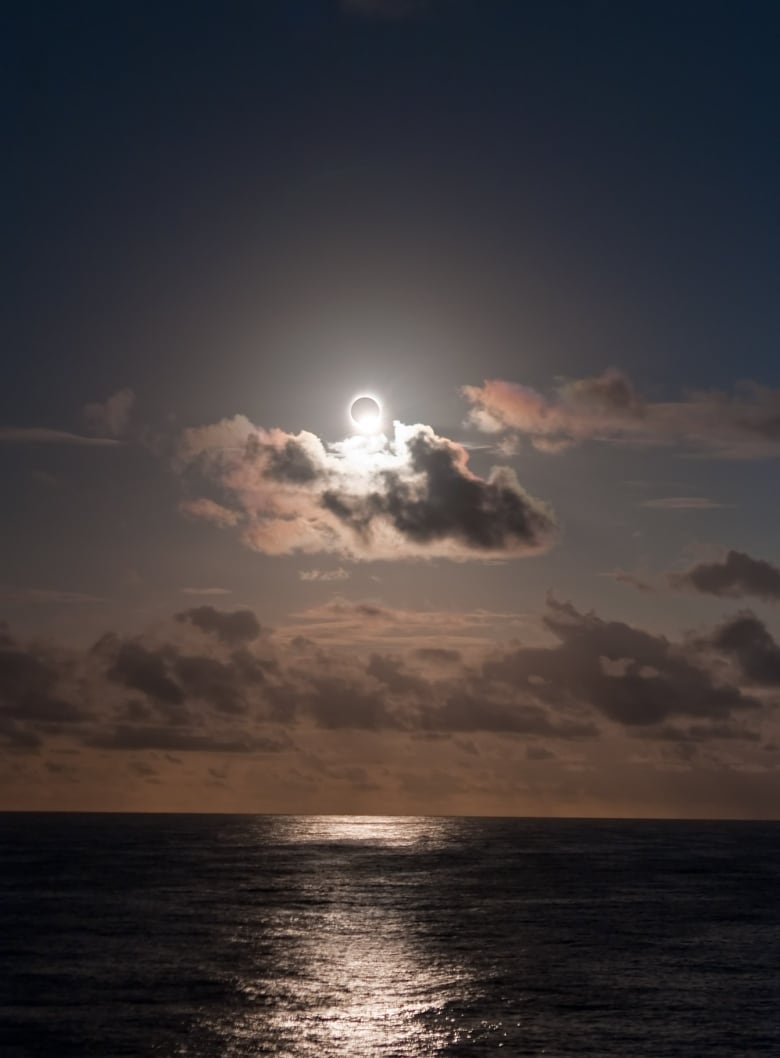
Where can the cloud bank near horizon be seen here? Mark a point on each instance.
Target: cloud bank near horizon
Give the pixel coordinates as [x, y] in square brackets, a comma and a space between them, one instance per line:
[425, 713]
[214, 680]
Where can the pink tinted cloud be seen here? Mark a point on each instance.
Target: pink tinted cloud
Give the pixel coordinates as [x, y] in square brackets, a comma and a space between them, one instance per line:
[209, 511]
[412, 495]
[744, 424]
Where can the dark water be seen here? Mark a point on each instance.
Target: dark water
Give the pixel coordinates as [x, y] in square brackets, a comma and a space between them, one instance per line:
[358, 937]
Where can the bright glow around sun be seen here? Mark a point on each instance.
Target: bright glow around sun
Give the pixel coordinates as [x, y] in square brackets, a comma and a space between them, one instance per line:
[366, 414]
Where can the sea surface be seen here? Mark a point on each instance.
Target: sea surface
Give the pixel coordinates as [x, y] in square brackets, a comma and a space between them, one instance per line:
[239, 936]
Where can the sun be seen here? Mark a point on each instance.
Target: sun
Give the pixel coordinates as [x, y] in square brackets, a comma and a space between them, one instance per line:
[366, 414]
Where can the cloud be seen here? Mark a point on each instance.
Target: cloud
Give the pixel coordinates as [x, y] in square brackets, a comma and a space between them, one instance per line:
[747, 640]
[208, 511]
[324, 575]
[205, 591]
[392, 673]
[744, 424]
[471, 709]
[337, 702]
[411, 496]
[176, 681]
[693, 733]
[175, 739]
[631, 676]
[206, 683]
[112, 417]
[34, 691]
[442, 655]
[630, 579]
[240, 626]
[142, 669]
[535, 753]
[736, 575]
[358, 624]
[214, 681]
[41, 435]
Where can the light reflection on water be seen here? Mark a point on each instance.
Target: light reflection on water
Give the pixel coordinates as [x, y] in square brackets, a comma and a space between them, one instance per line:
[354, 979]
[380, 831]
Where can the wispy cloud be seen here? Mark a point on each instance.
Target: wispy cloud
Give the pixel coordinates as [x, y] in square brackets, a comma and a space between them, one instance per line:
[107, 422]
[324, 575]
[621, 576]
[208, 511]
[40, 435]
[369, 622]
[683, 503]
[205, 591]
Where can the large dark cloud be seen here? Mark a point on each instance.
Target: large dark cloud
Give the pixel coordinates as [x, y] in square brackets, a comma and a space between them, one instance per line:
[238, 626]
[147, 670]
[212, 681]
[393, 674]
[440, 500]
[33, 690]
[472, 707]
[747, 640]
[632, 676]
[341, 701]
[734, 576]
[172, 679]
[413, 495]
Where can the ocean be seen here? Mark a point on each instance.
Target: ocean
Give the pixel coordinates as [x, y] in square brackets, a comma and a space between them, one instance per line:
[363, 937]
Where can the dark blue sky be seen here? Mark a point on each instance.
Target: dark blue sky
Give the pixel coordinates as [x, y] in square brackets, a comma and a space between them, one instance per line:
[594, 183]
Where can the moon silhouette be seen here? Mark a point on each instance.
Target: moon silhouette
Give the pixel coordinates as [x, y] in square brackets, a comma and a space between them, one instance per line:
[366, 413]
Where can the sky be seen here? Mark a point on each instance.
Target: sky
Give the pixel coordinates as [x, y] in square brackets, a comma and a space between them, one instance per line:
[544, 238]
